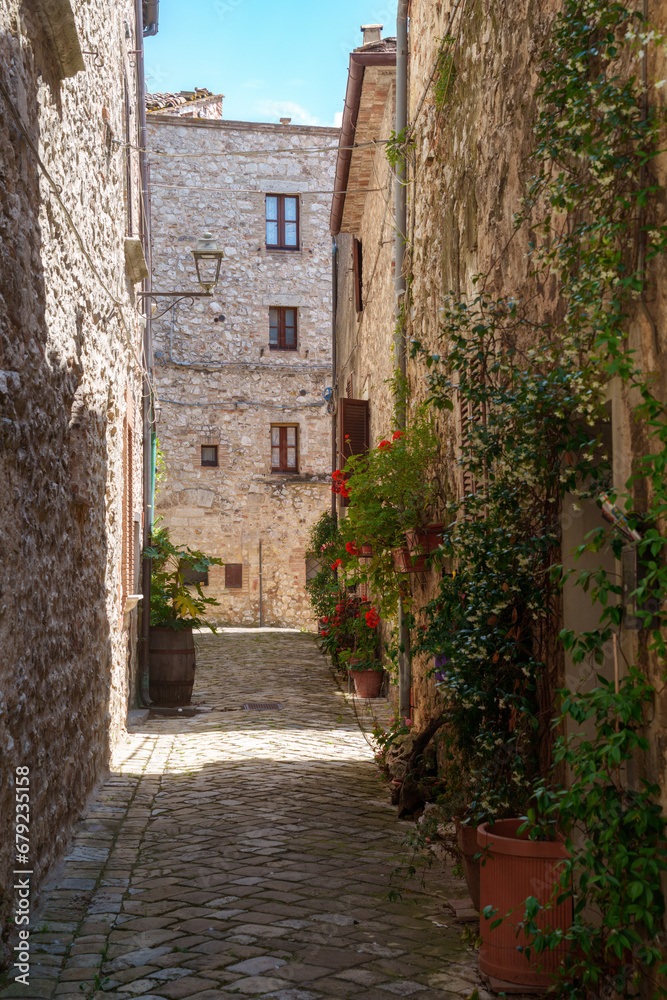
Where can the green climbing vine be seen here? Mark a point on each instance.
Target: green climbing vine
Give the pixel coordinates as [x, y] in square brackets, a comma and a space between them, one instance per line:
[530, 378]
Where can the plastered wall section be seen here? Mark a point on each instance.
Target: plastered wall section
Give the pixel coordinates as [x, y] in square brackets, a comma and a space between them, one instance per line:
[66, 370]
[218, 381]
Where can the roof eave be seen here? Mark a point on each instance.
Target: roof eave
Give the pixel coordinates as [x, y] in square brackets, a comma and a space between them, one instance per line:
[355, 78]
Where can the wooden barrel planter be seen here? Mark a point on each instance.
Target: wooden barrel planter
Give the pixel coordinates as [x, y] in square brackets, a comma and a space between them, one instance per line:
[171, 666]
[513, 869]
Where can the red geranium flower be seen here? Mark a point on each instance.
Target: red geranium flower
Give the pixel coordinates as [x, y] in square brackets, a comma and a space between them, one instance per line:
[384, 444]
[339, 562]
[397, 435]
[372, 618]
[351, 549]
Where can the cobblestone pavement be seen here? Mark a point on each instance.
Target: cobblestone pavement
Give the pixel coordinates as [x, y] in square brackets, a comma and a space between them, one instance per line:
[246, 853]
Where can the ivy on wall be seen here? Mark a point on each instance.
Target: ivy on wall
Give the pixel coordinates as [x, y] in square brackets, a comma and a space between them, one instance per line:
[530, 379]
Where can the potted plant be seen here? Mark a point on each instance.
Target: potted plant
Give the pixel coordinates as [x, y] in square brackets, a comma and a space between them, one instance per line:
[390, 491]
[514, 870]
[361, 659]
[177, 608]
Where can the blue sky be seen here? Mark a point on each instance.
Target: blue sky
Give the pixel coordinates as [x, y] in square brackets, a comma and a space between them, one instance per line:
[271, 58]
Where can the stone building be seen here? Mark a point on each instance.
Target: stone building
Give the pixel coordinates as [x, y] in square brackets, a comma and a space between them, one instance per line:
[242, 376]
[472, 114]
[73, 365]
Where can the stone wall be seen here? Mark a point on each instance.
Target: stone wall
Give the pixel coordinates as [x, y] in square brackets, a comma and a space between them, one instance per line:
[219, 382]
[67, 371]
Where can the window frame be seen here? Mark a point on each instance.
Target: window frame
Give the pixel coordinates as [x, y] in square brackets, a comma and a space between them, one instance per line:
[283, 470]
[282, 345]
[281, 244]
[209, 465]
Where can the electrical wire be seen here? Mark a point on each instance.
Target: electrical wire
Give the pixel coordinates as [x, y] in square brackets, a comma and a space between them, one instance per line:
[232, 190]
[243, 402]
[245, 152]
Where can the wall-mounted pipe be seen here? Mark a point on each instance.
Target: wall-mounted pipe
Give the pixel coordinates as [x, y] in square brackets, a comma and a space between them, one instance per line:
[146, 400]
[261, 600]
[400, 207]
[334, 360]
[152, 18]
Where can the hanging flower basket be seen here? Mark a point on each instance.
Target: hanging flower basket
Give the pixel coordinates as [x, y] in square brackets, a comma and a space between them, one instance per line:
[422, 541]
[405, 562]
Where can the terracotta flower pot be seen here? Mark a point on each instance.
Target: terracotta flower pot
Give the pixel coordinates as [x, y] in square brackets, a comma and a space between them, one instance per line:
[367, 683]
[367, 549]
[404, 562]
[425, 540]
[466, 839]
[513, 869]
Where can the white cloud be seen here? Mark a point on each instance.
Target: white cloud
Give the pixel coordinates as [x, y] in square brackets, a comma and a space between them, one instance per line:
[274, 110]
[338, 119]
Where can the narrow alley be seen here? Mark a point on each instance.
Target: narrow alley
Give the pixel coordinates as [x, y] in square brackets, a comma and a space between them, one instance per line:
[246, 851]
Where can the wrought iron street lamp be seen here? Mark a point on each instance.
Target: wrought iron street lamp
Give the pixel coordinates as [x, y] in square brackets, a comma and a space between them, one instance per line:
[208, 256]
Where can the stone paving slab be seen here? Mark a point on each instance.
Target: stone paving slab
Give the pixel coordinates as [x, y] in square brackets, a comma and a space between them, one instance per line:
[244, 853]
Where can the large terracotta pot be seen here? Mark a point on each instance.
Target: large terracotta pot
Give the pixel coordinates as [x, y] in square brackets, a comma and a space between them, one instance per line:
[404, 562]
[171, 666]
[466, 839]
[425, 540]
[367, 683]
[513, 869]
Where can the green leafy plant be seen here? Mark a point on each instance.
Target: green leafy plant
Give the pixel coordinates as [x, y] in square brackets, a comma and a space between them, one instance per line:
[531, 387]
[176, 604]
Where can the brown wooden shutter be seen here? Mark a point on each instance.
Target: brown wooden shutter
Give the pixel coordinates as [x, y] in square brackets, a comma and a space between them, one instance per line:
[127, 548]
[233, 576]
[353, 431]
[353, 419]
[357, 262]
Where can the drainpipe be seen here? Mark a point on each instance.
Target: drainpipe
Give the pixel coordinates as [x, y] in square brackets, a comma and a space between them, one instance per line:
[334, 359]
[261, 602]
[400, 211]
[146, 402]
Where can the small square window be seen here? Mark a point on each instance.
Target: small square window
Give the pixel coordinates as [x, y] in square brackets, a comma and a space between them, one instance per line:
[282, 329]
[233, 576]
[209, 454]
[282, 222]
[192, 576]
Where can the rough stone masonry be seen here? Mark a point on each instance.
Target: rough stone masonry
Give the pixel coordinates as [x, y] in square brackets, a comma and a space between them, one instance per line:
[224, 389]
[69, 386]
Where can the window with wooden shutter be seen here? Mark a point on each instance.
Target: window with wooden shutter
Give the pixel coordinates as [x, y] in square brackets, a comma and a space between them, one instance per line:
[282, 222]
[127, 520]
[233, 576]
[352, 431]
[357, 263]
[282, 329]
[285, 449]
